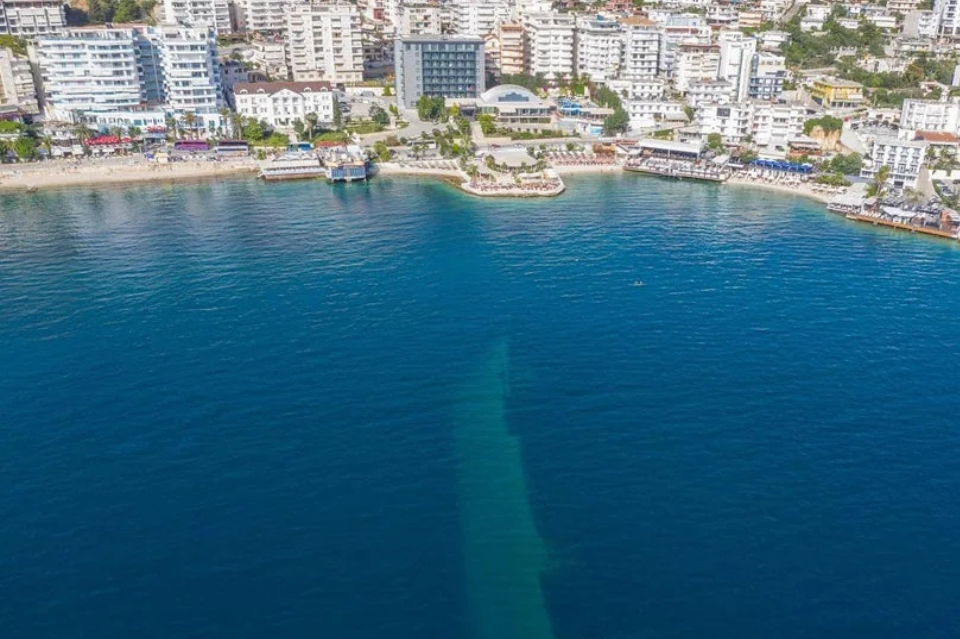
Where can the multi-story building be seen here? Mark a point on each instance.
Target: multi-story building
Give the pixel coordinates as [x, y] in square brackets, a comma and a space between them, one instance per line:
[834, 93]
[921, 24]
[269, 57]
[438, 66]
[479, 17]
[709, 92]
[191, 70]
[97, 69]
[550, 44]
[418, 18]
[773, 40]
[749, 19]
[767, 75]
[776, 124]
[930, 115]
[17, 89]
[510, 37]
[209, 14]
[905, 158]
[280, 104]
[695, 63]
[731, 121]
[678, 29]
[902, 6]
[641, 48]
[599, 48]
[948, 17]
[736, 58]
[262, 16]
[324, 42]
[32, 18]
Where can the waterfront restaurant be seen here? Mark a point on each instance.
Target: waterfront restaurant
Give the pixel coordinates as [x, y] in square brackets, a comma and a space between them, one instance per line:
[667, 150]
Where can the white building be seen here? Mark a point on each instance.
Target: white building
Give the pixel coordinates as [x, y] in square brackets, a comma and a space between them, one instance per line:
[695, 63]
[212, 14]
[930, 115]
[921, 24]
[16, 84]
[776, 123]
[641, 48]
[905, 158]
[731, 121]
[736, 59]
[550, 44]
[269, 57]
[97, 69]
[32, 18]
[418, 18]
[948, 17]
[479, 17]
[709, 92]
[639, 90]
[767, 74]
[280, 104]
[599, 48]
[262, 16]
[191, 70]
[678, 29]
[324, 42]
[773, 40]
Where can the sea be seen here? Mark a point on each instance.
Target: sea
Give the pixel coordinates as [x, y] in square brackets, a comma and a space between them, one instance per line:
[642, 410]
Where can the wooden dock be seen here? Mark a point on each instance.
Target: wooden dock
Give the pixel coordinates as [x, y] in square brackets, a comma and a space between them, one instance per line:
[903, 226]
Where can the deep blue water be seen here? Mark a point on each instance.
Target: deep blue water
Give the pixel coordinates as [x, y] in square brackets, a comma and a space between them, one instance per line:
[392, 411]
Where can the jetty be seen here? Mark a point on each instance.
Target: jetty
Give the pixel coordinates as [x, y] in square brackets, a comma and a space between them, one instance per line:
[678, 169]
[299, 167]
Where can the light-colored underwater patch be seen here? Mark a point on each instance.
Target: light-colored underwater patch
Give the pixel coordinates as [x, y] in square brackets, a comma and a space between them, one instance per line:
[504, 555]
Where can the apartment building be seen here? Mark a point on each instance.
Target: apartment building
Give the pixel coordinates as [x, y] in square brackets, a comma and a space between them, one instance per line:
[418, 18]
[736, 60]
[641, 48]
[709, 92]
[776, 124]
[191, 70]
[510, 36]
[731, 121]
[696, 63]
[550, 44]
[930, 115]
[262, 16]
[599, 48]
[280, 104]
[17, 89]
[324, 42]
[478, 18]
[438, 66]
[678, 29]
[948, 17]
[906, 158]
[32, 18]
[768, 72]
[200, 14]
[97, 69]
[834, 93]
[270, 57]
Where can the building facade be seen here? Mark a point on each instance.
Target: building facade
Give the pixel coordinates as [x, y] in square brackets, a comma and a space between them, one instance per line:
[200, 14]
[32, 18]
[599, 48]
[930, 115]
[324, 42]
[641, 49]
[280, 104]
[768, 72]
[550, 44]
[16, 84]
[448, 67]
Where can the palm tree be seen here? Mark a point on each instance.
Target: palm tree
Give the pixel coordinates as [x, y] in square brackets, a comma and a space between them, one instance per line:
[190, 120]
[82, 132]
[876, 188]
[299, 128]
[311, 119]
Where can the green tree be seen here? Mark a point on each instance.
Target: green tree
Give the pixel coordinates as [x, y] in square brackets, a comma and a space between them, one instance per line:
[252, 130]
[127, 11]
[878, 186]
[190, 121]
[387, 91]
[378, 115]
[337, 115]
[25, 147]
[715, 142]
[311, 119]
[382, 151]
[299, 127]
[17, 45]
[617, 122]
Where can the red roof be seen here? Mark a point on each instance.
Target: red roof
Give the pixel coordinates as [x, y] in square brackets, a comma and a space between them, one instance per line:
[938, 137]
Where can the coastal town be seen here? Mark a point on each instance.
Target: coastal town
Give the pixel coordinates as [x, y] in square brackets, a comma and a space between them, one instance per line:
[855, 104]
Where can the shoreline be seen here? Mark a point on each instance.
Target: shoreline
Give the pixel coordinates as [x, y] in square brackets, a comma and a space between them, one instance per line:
[42, 176]
[123, 171]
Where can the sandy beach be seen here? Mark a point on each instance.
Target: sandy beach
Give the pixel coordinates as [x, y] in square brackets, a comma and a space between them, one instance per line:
[802, 190]
[392, 168]
[586, 169]
[93, 172]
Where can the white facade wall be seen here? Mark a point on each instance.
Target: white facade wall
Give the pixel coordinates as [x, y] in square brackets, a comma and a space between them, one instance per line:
[930, 115]
[199, 14]
[280, 104]
[550, 44]
[712, 92]
[904, 157]
[599, 49]
[731, 121]
[696, 63]
[773, 122]
[419, 19]
[736, 58]
[32, 18]
[479, 17]
[262, 16]
[324, 43]
[16, 83]
[641, 49]
[191, 70]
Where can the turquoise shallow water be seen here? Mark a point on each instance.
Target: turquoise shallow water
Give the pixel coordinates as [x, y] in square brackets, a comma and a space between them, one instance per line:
[389, 410]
